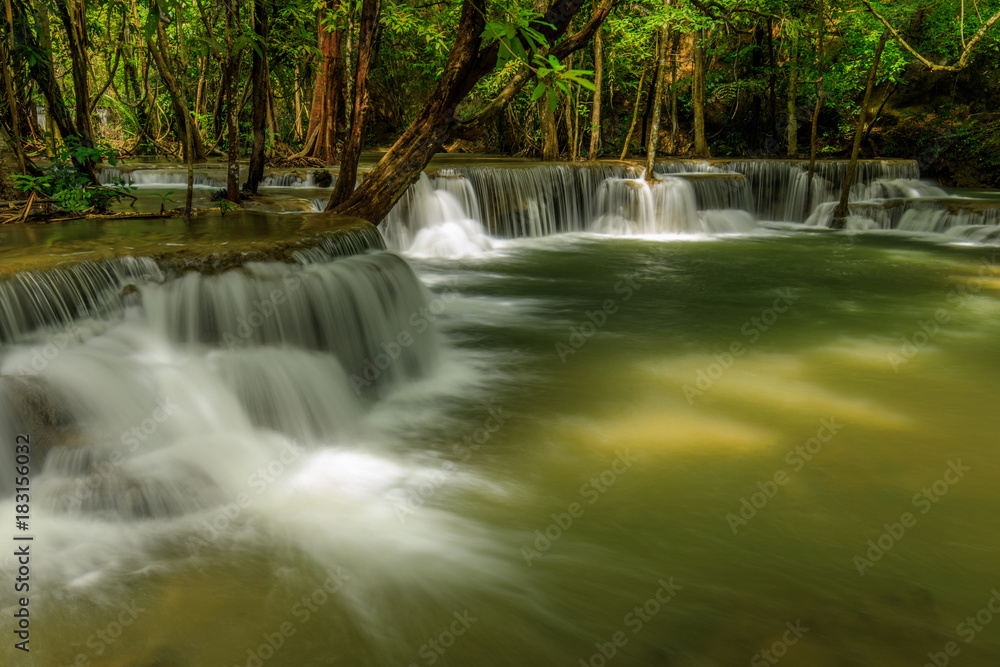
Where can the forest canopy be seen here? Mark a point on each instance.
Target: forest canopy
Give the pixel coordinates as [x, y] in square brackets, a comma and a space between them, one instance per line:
[86, 81]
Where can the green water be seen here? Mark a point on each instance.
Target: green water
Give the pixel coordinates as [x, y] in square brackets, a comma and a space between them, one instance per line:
[693, 394]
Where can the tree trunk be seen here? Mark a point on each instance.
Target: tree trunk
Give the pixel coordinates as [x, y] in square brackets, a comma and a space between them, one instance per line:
[793, 123]
[547, 117]
[548, 129]
[698, 94]
[327, 103]
[143, 142]
[840, 213]
[368, 38]
[772, 104]
[814, 135]
[647, 114]
[74, 19]
[8, 165]
[755, 138]
[436, 122]
[674, 123]
[635, 115]
[189, 159]
[43, 72]
[178, 100]
[232, 9]
[7, 63]
[260, 77]
[595, 116]
[654, 130]
[473, 127]
[297, 128]
[569, 114]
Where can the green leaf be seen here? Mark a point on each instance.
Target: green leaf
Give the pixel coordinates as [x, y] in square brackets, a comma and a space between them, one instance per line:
[537, 93]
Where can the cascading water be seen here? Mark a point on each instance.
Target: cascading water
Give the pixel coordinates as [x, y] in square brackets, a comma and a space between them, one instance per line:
[437, 219]
[456, 210]
[634, 206]
[667, 206]
[32, 300]
[348, 307]
[200, 391]
[540, 201]
[495, 456]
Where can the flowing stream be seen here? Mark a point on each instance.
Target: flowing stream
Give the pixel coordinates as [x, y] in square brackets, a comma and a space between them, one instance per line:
[568, 418]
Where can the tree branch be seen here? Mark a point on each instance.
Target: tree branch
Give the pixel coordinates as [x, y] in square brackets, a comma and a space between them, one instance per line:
[963, 58]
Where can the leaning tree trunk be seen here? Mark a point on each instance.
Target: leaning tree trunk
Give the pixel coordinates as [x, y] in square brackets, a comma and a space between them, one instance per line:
[595, 118]
[654, 130]
[793, 123]
[698, 94]
[327, 111]
[7, 64]
[674, 122]
[42, 71]
[178, 100]
[232, 103]
[436, 123]
[840, 213]
[8, 165]
[814, 133]
[260, 82]
[635, 115]
[74, 19]
[367, 48]
[546, 116]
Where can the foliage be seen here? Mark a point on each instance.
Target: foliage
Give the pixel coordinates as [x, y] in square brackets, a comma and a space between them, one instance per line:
[751, 46]
[72, 189]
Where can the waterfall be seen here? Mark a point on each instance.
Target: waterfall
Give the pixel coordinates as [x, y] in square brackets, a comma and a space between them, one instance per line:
[670, 206]
[950, 216]
[211, 178]
[354, 308]
[438, 218]
[33, 300]
[172, 177]
[542, 200]
[166, 410]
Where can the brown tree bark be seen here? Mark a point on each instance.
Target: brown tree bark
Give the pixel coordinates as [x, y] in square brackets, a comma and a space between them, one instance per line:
[840, 213]
[698, 93]
[654, 130]
[814, 134]
[595, 115]
[261, 84]
[793, 73]
[546, 116]
[7, 65]
[8, 165]
[674, 121]
[42, 71]
[367, 48]
[73, 15]
[232, 65]
[178, 100]
[772, 84]
[298, 106]
[327, 111]
[436, 122]
[569, 114]
[547, 128]
[635, 115]
[473, 127]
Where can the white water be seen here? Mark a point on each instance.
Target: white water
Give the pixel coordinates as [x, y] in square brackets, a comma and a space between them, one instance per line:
[458, 212]
[236, 412]
[439, 219]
